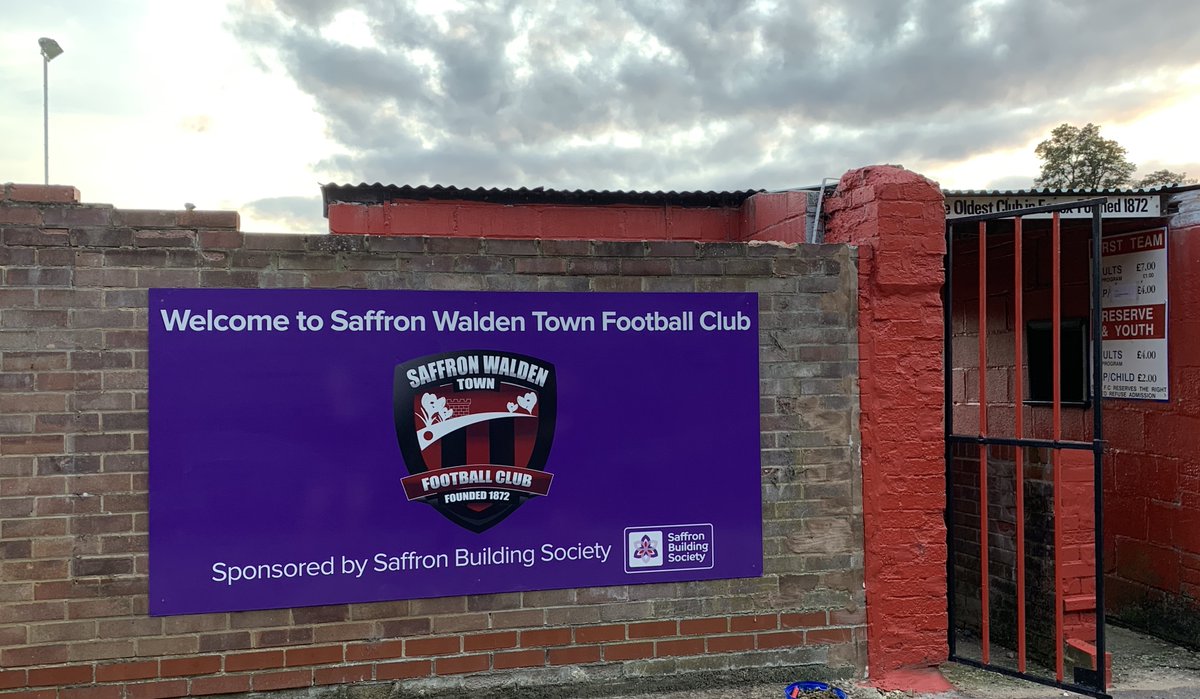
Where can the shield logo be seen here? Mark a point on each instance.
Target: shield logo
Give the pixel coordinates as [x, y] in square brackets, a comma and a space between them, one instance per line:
[475, 429]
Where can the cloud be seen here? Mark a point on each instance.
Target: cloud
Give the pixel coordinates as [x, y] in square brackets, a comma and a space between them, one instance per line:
[197, 123]
[702, 94]
[300, 214]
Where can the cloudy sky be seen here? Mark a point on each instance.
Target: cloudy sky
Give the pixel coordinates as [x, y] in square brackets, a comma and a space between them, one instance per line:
[250, 104]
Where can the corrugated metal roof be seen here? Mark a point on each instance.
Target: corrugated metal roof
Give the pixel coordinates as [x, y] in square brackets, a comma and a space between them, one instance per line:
[379, 193]
[1051, 192]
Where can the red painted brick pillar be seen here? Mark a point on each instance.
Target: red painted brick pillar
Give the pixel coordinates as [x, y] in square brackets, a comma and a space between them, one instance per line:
[896, 220]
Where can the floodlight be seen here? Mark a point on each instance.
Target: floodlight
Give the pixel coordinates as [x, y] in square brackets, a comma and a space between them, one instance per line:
[50, 48]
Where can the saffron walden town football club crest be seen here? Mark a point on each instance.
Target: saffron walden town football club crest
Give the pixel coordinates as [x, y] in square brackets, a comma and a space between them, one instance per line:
[475, 429]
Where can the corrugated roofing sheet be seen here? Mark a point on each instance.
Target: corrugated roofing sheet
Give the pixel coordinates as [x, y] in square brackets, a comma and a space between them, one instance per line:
[378, 193]
[1050, 192]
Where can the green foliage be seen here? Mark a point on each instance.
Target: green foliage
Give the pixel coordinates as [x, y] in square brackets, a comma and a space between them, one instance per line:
[1080, 158]
[1161, 178]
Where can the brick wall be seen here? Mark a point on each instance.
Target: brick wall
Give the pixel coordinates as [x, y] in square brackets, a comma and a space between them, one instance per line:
[896, 218]
[73, 477]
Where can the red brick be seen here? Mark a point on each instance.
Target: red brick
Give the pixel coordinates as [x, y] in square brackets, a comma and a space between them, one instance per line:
[227, 684]
[546, 637]
[575, 655]
[22, 215]
[13, 678]
[730, 644]
[375, 651]
[156, 690]
[432, 646]
[34, 694]
[490, 641]
[342, 674]
[653, 629]
[703, 627]
[520, 658]
[320, 655]
[32, 444]
[254, 661]
[44, 194]
[117, 672]
[181, 667]
[221, 239]
[599, 634]
[58, 676]
[198, 218]
[288, 679]
[403, 671]
[802, 620]
[107, 692]
[828, 636]
[461, 665]
[782, 639]
[686, 646]
[628, 651]
[760, 622]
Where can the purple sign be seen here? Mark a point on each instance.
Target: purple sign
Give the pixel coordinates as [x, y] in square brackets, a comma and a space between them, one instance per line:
[325, 447]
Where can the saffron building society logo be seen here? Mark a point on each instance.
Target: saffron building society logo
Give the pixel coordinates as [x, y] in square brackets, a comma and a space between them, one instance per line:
[475, 429]
[669, 547]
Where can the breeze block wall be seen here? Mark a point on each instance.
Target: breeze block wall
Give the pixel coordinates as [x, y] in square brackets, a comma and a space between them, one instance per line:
[1150, 474]
[1152, 478]
[73, 474]
[1078, 562]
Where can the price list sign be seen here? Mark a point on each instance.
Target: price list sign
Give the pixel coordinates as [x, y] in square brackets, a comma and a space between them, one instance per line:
[1133, 290]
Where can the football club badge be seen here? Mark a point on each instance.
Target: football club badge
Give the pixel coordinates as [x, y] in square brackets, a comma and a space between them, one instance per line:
[475, 429]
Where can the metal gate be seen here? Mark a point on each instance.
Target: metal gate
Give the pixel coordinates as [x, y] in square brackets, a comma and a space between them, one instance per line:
[1011, 445]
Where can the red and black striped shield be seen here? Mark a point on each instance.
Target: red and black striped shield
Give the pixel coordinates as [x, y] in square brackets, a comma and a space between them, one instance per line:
[475, 429]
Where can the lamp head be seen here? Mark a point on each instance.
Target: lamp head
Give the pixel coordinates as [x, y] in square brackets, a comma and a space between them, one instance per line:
[50, 48]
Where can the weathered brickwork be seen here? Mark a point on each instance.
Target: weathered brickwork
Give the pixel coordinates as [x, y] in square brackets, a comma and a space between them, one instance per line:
[895, 217]
[73, 469]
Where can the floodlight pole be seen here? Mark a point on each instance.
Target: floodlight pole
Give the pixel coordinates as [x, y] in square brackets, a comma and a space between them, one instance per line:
[46, 112]
[50, 51]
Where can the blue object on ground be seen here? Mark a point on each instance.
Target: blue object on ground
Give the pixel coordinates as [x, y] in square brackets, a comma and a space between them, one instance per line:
[793, 690]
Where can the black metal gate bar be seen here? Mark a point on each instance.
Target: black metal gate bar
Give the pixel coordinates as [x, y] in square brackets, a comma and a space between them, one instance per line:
[1098, 448]
[1087, 682]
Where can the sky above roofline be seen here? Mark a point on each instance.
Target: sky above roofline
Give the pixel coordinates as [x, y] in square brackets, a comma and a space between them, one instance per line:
[251, 104]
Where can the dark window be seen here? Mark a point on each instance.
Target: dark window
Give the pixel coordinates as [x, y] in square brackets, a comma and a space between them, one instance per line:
[1075, 364]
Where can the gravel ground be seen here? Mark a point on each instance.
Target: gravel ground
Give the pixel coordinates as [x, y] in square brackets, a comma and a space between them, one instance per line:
[1143, 668]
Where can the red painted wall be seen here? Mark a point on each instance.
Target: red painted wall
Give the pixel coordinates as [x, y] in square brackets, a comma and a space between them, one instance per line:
[1152, 487]
[896, 219]
[1076, 520]
[765, 216]
[1152, 481]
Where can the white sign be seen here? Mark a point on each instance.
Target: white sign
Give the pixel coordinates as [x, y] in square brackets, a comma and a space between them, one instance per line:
[1118, 206]
[1133, 313]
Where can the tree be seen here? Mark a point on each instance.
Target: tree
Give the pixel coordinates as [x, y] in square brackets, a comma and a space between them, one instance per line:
[1160, 178]
[1075, 158]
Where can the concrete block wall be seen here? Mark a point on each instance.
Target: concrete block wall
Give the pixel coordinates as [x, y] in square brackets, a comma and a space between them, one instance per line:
[1151, 473]
[73, 471]
[1152, 480]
